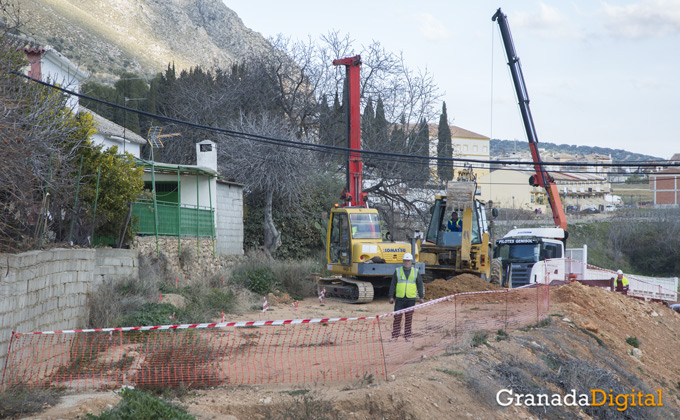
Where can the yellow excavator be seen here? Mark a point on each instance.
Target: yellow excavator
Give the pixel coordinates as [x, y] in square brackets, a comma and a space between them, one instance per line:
[356, 254]
[463, 245]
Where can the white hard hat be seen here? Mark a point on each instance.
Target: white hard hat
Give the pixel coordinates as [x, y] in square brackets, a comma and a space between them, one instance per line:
[408, 257]
[619, 272]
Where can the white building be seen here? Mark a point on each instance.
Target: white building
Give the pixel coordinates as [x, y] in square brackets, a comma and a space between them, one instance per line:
[50, 66]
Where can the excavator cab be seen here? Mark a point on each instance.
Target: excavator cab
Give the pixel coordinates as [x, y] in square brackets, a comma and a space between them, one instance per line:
[347, 226]
[439, 232]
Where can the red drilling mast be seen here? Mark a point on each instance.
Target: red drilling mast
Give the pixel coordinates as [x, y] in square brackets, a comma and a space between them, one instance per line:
[353, 194]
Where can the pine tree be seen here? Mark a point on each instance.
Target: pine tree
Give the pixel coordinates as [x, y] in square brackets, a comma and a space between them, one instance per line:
[444, 149]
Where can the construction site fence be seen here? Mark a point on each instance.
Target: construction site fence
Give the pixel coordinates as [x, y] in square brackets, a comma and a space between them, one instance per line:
[643, 287]
[263, 352]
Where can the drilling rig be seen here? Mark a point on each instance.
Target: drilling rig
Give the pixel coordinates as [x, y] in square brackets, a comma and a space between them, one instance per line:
[355, 251]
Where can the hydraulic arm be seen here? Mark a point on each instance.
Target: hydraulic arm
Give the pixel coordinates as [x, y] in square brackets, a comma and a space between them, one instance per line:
[542, 177]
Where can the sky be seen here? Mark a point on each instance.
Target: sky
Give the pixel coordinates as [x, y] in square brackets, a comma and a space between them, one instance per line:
[598, 73]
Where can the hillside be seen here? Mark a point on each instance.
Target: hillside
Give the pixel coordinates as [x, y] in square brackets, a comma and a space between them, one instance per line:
[582, 347]
[108, 37]
[503, 147]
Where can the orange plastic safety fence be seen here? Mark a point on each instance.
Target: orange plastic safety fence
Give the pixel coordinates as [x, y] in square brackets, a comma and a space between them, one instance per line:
[450, 322]
[262, 352]
[301, 353]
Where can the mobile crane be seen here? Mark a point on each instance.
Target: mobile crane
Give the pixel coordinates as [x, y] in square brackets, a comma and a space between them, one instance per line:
[517, 252]
[355, 251]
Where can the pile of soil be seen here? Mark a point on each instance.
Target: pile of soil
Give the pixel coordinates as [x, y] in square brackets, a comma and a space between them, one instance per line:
[616, 318]
[462, 283]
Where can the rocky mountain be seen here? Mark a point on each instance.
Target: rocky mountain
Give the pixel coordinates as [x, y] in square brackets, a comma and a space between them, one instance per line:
[109, 37]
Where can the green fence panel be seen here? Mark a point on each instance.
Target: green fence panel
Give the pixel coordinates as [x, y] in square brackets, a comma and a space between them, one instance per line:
[167, 219]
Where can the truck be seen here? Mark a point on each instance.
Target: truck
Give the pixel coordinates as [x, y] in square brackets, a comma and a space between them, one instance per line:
[516, 253]
[357, 257]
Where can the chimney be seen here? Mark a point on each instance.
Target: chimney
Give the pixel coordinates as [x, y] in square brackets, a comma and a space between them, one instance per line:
[206, 154]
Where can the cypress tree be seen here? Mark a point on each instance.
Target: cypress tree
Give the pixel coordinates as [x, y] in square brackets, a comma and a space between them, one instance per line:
[444, 149]
[368, 127]
[422, 148]
[380, 127]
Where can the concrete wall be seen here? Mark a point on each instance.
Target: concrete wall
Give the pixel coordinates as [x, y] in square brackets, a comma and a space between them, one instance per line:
[47, 290]
[229, 226]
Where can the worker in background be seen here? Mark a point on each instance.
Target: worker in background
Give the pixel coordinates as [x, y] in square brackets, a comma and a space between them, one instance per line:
[405, 288]
[621, 283]
[455, 224]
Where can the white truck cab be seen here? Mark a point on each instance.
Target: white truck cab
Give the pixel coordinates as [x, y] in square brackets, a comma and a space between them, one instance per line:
[520, 249]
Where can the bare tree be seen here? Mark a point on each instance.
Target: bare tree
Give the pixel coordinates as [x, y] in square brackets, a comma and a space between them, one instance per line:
[278, 174]
[290, 87]
[408, 97]
[40, 138]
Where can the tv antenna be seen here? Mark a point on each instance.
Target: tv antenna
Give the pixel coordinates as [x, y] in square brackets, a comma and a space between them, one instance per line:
[154, 137]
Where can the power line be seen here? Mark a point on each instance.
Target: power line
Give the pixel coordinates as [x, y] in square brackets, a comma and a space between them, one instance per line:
[405, 158]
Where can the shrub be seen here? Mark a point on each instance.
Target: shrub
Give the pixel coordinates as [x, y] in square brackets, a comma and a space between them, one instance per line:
[501, 335]
[295, 277]
[633, 341]
[304, 406]
[20, 401]
[205, 303]
[152, 313]
[116, 299]
[479, 338]
[139, 405]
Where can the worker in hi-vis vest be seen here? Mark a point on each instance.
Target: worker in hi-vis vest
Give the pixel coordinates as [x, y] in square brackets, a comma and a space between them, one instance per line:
[406, 287]
[621, 283]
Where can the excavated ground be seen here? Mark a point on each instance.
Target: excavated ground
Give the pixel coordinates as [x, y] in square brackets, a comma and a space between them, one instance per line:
[582, 347]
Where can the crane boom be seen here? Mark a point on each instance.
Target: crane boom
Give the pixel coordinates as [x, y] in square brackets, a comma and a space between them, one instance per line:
[542, 177]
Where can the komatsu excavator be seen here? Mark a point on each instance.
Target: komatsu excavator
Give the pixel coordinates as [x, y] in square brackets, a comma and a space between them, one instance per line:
[355, 251]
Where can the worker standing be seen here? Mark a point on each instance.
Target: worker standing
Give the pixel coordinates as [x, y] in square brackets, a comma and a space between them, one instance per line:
[621, 283]
[405, 288]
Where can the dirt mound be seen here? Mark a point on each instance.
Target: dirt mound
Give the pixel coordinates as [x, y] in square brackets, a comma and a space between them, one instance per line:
[459, 284]
[619, 319]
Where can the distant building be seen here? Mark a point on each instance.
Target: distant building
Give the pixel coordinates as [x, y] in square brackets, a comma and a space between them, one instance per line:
[465, 144]
[509, 188]
[665, 185]
[50, 66]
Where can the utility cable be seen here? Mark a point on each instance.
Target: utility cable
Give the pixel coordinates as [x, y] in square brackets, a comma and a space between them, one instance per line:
[415, 159]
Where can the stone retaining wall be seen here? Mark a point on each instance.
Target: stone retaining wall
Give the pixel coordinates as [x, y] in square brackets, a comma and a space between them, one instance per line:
[47, 290]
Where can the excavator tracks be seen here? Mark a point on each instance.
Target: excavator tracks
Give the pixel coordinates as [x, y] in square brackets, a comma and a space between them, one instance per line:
[347, 290]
